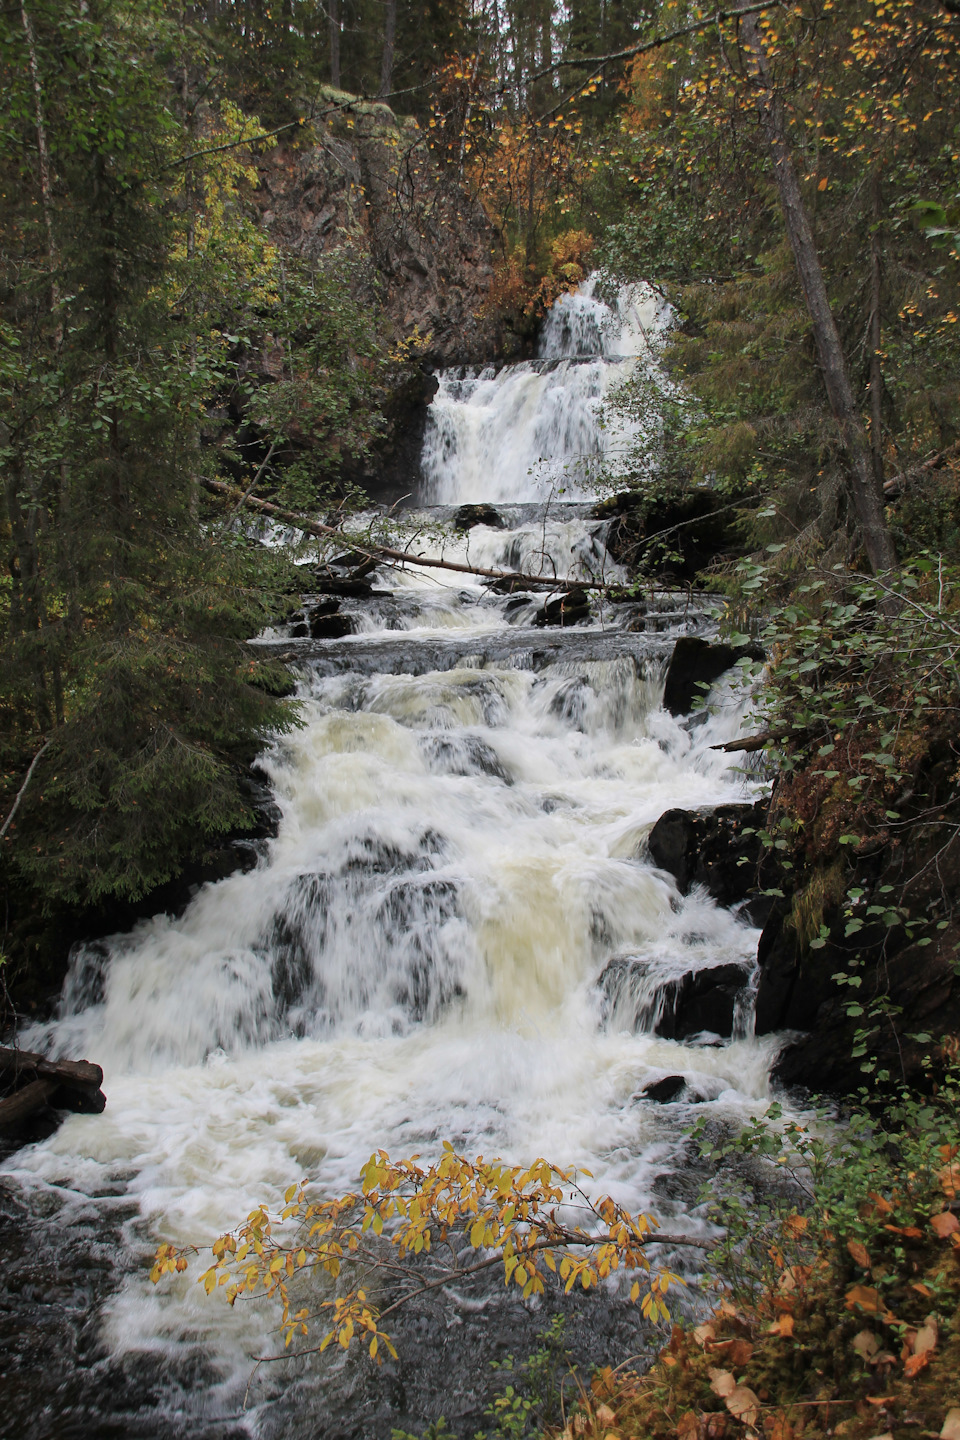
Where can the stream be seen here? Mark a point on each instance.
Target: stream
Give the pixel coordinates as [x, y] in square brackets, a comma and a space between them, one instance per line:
[456, 934]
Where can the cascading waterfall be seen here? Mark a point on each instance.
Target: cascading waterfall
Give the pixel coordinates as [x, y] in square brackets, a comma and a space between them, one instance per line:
[426, 951]
[535, 430]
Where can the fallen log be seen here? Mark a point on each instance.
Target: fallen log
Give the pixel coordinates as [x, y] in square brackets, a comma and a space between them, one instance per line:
[747, 745]
[36, 1080]
[21, 1103]
[386, 553]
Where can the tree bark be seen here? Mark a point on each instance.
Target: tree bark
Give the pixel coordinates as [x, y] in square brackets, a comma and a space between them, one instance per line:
[43, 149]
[864, 492]
[876, 362]
[389, 39]
[334, 13]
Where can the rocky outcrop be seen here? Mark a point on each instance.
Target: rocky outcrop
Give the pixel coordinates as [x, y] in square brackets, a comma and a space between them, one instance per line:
[367, 180]
[719, 849]
[671, 537]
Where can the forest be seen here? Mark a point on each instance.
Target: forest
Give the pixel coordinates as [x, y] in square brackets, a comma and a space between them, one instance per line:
[254, 254]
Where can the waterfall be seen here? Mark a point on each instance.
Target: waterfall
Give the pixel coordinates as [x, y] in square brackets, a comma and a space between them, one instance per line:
[537, 430]
[456, 933]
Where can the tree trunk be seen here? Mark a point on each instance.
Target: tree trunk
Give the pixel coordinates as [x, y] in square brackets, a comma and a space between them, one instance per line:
[334, 13]
[864, 492]
[46, 183]
[389, 37]
[876, 361]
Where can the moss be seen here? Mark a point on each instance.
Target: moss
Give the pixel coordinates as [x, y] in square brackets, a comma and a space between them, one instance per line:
[824, 889]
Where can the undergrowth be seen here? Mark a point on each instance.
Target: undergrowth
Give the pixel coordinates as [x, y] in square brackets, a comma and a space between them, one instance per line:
[836, 1307]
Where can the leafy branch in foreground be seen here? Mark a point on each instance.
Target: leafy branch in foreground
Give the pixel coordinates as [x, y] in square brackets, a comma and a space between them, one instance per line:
[445, 1223]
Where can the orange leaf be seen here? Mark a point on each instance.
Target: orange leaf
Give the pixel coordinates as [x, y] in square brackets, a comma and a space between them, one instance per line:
[880, 1399]
[910, 1232]
[867, 1297]
[823, 183]
[688, 1427]
[743, 1404]
[859, 1253]
[915, 1363]
[722, 1383]
[783, 1326]
[945, 1224]
[740, 1353]
[923, 1290]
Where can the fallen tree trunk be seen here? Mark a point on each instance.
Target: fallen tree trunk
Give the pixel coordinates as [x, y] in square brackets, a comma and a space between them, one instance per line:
[384, 552]
[36, 1081]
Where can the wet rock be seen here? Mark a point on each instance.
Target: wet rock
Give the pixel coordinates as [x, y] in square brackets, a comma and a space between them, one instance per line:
[677, 1008]
[710, 848]
[327, 583]
[674, 537]
[330, 627]
[349, 560]
[696, 663]
[469, 515]
[664, 1090]
[566, 609]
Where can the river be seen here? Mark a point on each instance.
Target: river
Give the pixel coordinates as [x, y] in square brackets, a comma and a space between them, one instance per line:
[416, 957]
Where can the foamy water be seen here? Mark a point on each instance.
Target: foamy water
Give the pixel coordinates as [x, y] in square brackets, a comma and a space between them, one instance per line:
[460, 856]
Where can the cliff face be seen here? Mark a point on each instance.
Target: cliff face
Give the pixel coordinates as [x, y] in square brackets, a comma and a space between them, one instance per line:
[366, 180]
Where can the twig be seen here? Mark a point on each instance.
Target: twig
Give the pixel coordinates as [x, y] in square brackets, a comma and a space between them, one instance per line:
[20, 793]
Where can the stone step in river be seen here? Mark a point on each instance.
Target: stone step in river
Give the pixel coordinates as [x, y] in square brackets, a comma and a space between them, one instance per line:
[456, 934]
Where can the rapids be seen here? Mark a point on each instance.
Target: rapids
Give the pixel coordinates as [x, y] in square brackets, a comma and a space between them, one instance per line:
[416, 957]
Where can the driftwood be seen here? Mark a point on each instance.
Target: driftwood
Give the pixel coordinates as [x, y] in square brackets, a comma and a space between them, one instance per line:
[34, 1081]
[385, 553]
[747, 745]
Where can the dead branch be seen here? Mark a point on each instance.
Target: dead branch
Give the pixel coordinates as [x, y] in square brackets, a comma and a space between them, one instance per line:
[384, 552]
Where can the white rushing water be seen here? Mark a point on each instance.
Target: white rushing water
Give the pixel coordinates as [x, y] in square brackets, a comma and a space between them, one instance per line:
[459, 860]
[536, 430]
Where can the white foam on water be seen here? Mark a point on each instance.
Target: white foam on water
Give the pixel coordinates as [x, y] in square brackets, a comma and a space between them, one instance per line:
[537, 429]
[460, 855]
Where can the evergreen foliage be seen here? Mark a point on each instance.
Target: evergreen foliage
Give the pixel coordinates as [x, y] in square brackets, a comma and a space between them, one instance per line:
[133, 292]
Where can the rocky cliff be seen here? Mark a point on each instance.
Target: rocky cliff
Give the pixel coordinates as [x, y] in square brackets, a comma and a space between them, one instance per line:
[365, 179]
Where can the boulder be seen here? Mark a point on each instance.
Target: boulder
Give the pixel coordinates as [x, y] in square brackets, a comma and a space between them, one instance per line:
[330, 626]
[677, 1008]
[469, 515]
[670, 1087]
[566, 609]
[673, 537]
[696, 663]
[710, 848]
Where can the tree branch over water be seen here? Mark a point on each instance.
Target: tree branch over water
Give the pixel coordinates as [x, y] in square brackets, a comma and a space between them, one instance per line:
[386, 553]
